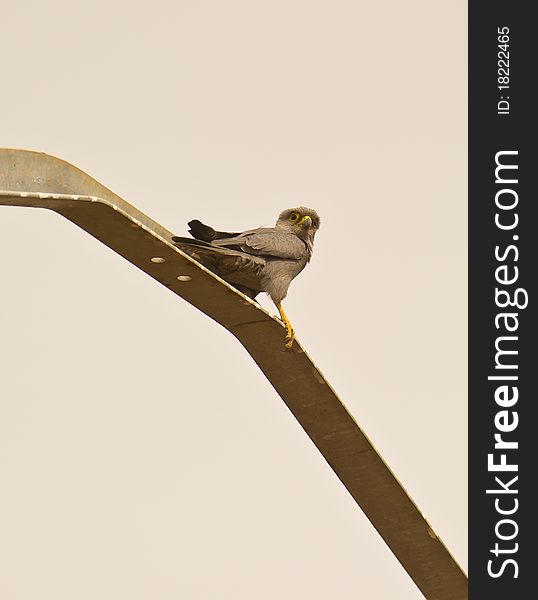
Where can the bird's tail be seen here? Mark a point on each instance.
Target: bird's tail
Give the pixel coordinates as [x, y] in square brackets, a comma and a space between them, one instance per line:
[185, 241]
[205, 233]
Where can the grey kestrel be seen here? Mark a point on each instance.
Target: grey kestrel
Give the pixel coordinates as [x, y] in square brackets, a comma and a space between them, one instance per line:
[266, 259]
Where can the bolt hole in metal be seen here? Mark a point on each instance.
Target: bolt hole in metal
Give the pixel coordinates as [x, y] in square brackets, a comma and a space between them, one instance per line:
[157, 259]
[184, 277]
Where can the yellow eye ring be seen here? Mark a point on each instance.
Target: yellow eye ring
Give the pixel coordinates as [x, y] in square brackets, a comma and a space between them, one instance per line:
[293, 217]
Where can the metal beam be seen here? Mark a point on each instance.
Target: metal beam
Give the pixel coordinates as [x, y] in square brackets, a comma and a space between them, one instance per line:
[38, 180]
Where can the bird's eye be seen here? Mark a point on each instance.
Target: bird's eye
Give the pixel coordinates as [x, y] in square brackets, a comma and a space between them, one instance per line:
[293, 217]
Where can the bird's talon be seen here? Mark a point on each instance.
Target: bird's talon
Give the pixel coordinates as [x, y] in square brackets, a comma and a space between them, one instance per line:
[289, 338]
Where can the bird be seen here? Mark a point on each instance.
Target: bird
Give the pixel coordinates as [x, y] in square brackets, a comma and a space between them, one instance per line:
[265, 259]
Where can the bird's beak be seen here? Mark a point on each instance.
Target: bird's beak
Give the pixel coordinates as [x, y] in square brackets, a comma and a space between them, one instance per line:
[306, 222]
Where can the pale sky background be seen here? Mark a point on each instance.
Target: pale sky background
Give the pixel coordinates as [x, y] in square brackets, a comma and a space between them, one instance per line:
[142, 452]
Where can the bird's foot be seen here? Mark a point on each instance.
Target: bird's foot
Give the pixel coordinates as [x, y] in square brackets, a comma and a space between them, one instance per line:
[290, 336]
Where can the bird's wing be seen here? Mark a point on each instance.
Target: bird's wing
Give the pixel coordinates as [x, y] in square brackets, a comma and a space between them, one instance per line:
[220, 260]
[266, 242]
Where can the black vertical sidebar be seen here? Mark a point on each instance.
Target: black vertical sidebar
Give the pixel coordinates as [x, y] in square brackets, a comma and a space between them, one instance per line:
[503, 333]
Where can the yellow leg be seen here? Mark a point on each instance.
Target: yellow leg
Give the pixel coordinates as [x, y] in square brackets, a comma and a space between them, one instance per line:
[290, 333]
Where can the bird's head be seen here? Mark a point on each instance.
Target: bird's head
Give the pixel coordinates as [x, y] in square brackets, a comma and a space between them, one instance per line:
[302, 221]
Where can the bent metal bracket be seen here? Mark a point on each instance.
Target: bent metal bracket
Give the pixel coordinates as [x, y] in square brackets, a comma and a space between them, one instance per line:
[38, 180]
